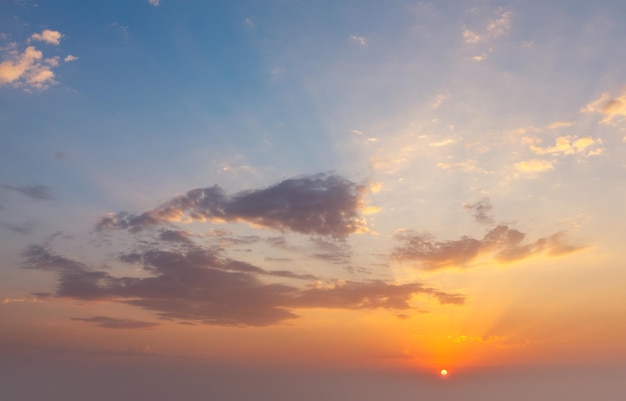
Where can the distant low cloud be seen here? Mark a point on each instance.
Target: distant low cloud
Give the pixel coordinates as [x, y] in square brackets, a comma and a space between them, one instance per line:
[200, 286]
[36, 192]
[326, 205]
[113, 323]
[613, 108]
[503, 243]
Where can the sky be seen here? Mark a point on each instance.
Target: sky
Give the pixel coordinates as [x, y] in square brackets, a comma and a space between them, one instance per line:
[293, 199]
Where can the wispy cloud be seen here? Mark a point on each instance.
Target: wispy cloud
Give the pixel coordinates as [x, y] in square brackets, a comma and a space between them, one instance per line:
[36, 192]
[113, 323]
[613, 108]
[495, 28]
[533, 166]
[361, 40]
[155, 3]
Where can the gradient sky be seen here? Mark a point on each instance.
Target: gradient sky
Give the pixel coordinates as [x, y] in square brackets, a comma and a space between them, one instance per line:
[289, 186]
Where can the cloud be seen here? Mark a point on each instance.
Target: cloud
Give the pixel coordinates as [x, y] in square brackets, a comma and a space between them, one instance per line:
[326, 205]
[481, 208]
[503, 243]
[48, 36]
[9, 300]
[176, 236]
[612, 108]
[113, 323]
[27, 69]
[495, 28]
[155, 3]
[533, 166]
[200, 286]
[36, 192]
[70, 58]
[565, 145]
[359, 39]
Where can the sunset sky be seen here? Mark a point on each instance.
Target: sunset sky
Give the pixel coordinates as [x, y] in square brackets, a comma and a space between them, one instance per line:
[286, 196]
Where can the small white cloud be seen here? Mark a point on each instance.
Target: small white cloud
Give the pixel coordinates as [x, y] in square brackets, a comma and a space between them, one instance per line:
[249, 22]
[48, 36]
[69, 58]
[359, 39]
[479, 58]
[154, 2]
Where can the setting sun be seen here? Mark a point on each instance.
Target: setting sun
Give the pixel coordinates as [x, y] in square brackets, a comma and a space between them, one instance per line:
[443, 372]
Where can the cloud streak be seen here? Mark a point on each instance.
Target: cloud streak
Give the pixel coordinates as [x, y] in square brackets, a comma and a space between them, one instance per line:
[119, 324]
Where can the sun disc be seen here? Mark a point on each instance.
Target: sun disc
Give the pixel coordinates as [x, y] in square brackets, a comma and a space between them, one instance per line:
[443, 372]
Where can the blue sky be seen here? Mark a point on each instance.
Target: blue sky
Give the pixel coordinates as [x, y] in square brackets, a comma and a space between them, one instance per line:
[445, 177]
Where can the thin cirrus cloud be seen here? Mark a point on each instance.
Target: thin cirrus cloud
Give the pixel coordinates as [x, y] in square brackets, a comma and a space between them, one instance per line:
[502, 243]
[327, 205]
[36, 192]
[200, 286]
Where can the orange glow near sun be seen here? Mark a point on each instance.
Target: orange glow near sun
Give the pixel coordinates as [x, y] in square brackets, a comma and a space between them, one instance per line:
[443, 372]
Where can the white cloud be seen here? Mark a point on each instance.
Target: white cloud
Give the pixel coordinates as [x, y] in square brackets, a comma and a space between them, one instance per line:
[154, 2]
[69, 58]
[359, 39]
[48, 36]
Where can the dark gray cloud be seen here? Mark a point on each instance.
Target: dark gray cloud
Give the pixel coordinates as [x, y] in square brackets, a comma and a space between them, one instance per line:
[326, 205]
[37, 192]
[503, 242]
[179, 236]
[481, 210]
[199, 285]
[113, 323]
